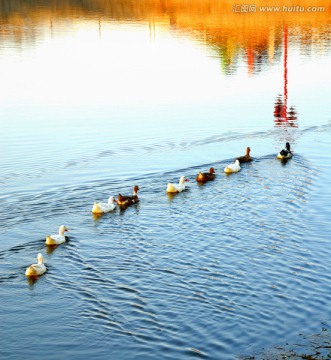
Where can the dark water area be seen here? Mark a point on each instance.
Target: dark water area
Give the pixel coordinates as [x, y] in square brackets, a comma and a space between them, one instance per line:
[101, 96]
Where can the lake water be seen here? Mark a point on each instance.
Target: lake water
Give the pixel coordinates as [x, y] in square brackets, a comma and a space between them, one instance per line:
[98, 96]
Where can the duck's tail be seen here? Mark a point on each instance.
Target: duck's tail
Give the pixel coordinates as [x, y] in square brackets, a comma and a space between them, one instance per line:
[171, 188]
[49, 240]
[199, 177]
[31, 271]
[96, 209]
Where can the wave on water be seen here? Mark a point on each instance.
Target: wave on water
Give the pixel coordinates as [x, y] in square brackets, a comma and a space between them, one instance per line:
[70, 199]
[205, 251]
[264, 183]
[43, 168]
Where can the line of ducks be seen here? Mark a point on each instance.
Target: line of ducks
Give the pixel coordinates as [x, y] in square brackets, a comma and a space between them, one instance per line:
[35, 270]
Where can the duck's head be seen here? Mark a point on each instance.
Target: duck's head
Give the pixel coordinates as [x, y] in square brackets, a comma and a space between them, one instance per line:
[288, 146]
[62, 229]
[136, 189]
[40, 258]
[119, 197]
[248, 150]
[183, 179]
[211, 170]
[111, 200]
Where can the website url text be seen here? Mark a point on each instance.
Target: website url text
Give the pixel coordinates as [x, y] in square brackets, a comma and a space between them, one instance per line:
[249, 8]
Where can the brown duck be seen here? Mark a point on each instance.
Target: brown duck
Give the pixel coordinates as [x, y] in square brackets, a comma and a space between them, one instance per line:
[124, 201]
[245, 158]
[204, 177]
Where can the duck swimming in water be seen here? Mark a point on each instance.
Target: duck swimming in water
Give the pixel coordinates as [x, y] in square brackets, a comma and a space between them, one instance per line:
[57, 239]
[101, 208]
[124, 201]
[232, 168]
[36, 269]
[204, 177]
[285, 153]
[245, 158]
[176, 188]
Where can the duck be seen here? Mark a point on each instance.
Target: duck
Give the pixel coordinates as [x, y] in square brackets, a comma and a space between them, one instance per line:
[36, 269]
[100, 208]
[285, 153]
[57, 239]
[245, 158]
[204, 177]
[232, 168]
[124, 201]
[176, 188]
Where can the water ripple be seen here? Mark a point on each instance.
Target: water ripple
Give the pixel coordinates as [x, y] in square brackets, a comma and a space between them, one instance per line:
[230, 250]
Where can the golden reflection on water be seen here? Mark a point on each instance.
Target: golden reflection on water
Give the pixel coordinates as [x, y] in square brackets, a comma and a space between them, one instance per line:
[96, 217]
[50, 249]
[254, 39]
[216, 23]
[31, 280]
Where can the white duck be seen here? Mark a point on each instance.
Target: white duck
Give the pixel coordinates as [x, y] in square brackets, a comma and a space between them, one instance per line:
[36, 269]
[285, 153]
[176, 188]
[100, 208]
[57, 239]
[232, 168]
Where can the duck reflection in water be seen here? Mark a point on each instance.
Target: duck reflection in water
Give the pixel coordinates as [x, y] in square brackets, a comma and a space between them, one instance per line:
[50, 249]
[96, 217]
[282, 117]
[31, 281]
